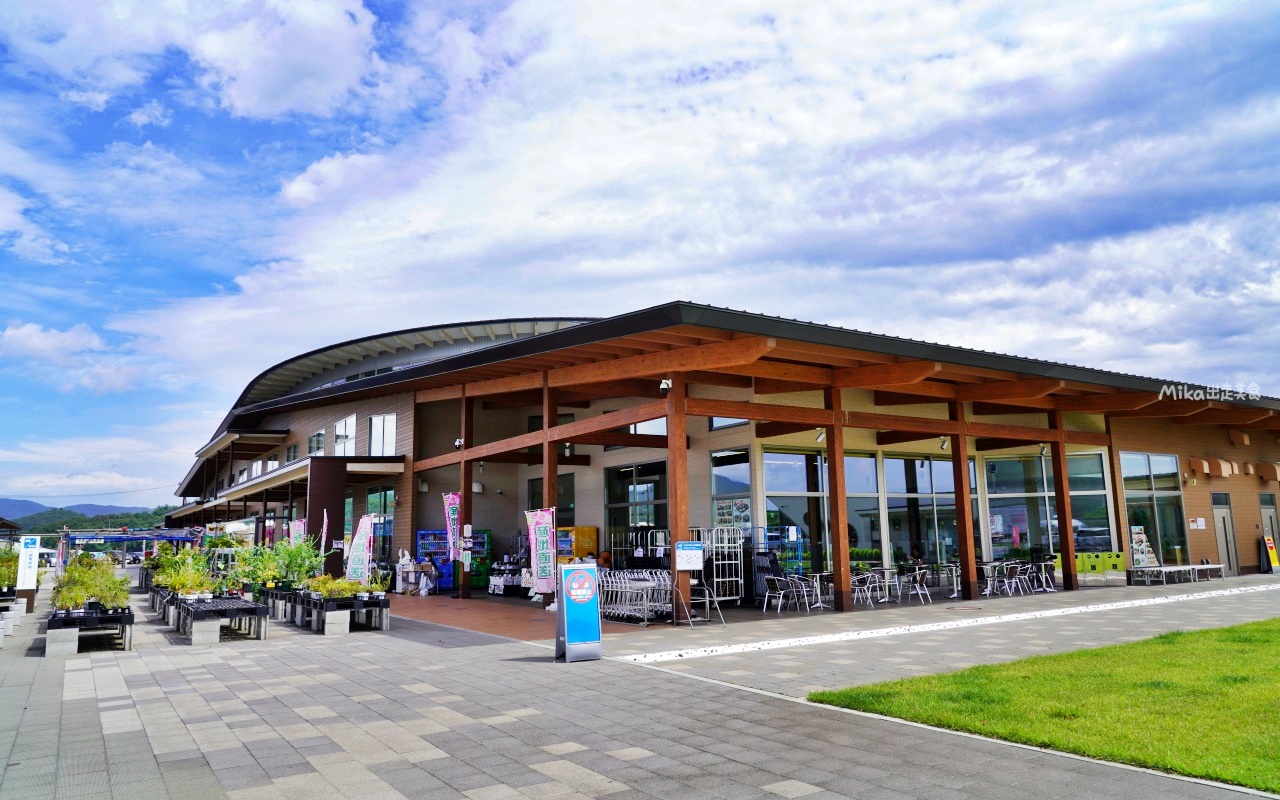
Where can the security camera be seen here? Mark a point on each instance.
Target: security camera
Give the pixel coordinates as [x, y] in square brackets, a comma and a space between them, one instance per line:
[457, 444]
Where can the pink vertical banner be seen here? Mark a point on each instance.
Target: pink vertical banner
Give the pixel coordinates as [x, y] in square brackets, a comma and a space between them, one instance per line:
[452, 505]
[542, 548]
[297, 530]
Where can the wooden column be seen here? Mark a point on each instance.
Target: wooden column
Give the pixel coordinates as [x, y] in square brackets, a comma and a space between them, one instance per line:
[326, 491]
[462, 584]
[837, 506]
[550, 463]
[1062, 502]
[1121, 528]
[964, 506]
[677, 486]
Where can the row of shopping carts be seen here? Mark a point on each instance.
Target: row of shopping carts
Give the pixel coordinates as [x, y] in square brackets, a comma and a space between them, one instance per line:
[638, 596]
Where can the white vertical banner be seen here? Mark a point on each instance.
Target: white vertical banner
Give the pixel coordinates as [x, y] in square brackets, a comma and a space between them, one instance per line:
[361, 549]
[324, 531]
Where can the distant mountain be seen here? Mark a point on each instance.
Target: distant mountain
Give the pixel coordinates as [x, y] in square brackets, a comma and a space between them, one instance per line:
[94, 510]
[12, 509]
[53, 520]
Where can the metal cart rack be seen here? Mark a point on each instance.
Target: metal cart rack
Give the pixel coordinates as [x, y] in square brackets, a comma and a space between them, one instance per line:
[722, 552]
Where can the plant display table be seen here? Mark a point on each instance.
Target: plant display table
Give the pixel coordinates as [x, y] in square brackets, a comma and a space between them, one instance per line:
[66, 627]
[332, 616]
[202, 620]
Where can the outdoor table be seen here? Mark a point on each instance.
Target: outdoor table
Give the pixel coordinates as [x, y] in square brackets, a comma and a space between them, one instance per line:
[1045, 578]
[202, 619]
[818, 578]
[887, 574]
[953, 574]
[63, 630]
[1146, 574]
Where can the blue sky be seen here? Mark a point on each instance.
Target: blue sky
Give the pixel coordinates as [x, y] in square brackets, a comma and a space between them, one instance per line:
[188, 198]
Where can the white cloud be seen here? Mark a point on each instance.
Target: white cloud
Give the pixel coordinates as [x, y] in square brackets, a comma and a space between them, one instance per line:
[259, 58]
[152, 112]
[22, 237]
[31, 341]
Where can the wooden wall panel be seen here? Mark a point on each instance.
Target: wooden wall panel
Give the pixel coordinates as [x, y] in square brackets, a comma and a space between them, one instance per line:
[1207, 441]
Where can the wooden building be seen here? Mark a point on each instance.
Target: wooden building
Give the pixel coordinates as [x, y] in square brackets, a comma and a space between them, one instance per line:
[684, 415]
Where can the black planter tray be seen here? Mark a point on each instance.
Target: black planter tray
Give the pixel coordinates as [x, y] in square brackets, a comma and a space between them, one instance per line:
[226, 608]
[64, 619]
[347, 603]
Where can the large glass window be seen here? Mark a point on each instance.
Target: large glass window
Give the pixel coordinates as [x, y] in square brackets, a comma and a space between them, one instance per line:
[291, 454]
[919, 492]
[382, 435]
[795, 508]
[344, 436]
[1022, 510]
[273, 461]
[731, 489]
[1153, 500]
[636, 498]
[716, 423]
[565, 498]
[315, 444]
[380, 501]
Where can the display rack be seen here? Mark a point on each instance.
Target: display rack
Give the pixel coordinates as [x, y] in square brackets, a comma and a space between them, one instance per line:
[722, 552]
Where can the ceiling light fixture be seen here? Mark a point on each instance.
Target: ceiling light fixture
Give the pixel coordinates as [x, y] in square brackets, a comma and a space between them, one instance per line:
[1044, 449]
[944, 442]
[822, 434]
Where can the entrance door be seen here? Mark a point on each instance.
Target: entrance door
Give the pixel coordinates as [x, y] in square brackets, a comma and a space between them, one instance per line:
[1270, 521]
[1226, 531]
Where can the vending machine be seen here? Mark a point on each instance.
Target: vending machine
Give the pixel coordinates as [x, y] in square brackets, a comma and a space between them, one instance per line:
[576, 542]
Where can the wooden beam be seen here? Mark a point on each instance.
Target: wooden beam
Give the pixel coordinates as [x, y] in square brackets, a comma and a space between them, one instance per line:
[1029, 405]
[768, 412]
[893, 422]
[903, 372]
[985, 444]
[678, 486]
[633, 387]
[511, 383]
[704, 357]
[966, 553]
[901, 437]
[1167, 408]
[1118, 401]
[783, 371]
[766, 430]
[837, 507]
[775, 386]
[620, 439]
[914, 393]
[1269, 424]
[1226, 416]
[718, 379]
[529, 458]
[1062, 505]
[1009, 390]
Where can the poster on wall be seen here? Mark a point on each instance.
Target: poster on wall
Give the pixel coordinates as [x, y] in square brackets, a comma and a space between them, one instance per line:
[452, 506]
[1143, 555]
[542, 548]
[732, 513]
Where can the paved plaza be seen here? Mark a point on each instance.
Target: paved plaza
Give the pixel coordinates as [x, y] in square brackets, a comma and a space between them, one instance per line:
[429, 711]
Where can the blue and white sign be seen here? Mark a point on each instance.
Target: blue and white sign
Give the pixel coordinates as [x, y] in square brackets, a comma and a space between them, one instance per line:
[28, 562]
[578, 633]
[688, 556]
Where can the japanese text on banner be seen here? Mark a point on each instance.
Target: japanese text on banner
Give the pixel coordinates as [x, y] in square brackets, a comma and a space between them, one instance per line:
[542, 548]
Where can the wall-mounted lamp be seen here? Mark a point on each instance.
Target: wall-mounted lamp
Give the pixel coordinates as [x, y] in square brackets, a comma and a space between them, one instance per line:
[481, 464]
[664, 386]
[457, 444]
[822, 434]
[568, 449]
[422, 485]
[477, 487]
[943, 442]
[1044, 449]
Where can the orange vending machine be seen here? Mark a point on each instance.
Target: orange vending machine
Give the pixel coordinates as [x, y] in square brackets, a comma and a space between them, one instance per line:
[576, 542]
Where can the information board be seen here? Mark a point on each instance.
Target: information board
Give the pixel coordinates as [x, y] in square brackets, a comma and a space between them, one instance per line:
[688, 556]
[578, 631]
[28, 562]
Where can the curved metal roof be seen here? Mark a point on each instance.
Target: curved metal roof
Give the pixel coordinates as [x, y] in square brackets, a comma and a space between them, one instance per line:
[388, 352]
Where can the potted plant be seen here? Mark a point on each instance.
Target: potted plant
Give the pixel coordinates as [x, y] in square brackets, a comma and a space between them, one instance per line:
[8, 570]
[378, 583]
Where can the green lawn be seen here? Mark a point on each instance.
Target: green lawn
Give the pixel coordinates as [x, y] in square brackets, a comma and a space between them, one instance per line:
[1205, 703]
